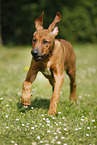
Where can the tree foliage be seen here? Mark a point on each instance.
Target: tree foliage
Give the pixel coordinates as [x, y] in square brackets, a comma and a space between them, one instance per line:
[78, 23]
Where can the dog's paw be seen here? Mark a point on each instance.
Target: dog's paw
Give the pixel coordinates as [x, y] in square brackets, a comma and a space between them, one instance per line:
[26, 100]
[26, 103]
[51, 112]
[73, 99]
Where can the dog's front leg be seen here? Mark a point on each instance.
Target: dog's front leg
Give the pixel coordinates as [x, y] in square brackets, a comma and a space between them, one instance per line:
[26, 94]
[56, 94]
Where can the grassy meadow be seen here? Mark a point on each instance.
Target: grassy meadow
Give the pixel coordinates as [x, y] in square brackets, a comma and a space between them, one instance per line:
[72, 125]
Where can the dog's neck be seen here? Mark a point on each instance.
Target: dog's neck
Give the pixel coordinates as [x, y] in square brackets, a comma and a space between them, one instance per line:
[52, 49]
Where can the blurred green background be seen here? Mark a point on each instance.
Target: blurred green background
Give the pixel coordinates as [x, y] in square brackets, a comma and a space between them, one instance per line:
[78, 23]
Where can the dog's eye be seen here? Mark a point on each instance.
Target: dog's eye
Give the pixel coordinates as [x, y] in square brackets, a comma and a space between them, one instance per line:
[45, 42]
[34, 40]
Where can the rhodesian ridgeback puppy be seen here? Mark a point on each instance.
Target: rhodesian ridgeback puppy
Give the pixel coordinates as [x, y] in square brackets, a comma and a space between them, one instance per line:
[50, 56]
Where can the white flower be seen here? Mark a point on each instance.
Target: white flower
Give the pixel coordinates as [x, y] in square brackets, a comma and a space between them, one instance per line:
[7, 127]
[65, 144]
[17, 119]
[59, 132]
[53, 117]
[25, 106]
[12, 141]
[87, 134]
[59, 142]
[7, 105]
[83, 116]
[80, 128]
[32, 127]
[62, 137]
[48, 124]
[76, 128]
[1, 98]
[59, 112]
[6, 116]
[65, 124]
[88, 127]
[48, 121]
[63, 117]
[10, 100]
[40, 123]
[48, 131]
[42, 115]
[93, 120]
[35, 125]
[41, 141]
[80, 97]
[61, 92]
[65, 129]
[32, 108]
[38, 137]
[23, 124]
[56, 137]
[43, 118]
[82, 119]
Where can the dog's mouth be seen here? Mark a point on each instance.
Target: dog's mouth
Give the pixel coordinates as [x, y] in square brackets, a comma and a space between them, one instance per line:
[36, 55]
[38, 58]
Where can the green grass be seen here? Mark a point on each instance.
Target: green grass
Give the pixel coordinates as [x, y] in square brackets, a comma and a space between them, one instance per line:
[73, 124]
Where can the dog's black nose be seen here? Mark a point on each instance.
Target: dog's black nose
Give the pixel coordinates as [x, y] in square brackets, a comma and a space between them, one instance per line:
[34, 52]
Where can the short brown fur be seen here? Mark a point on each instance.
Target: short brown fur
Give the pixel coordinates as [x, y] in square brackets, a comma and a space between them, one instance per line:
[50, 56]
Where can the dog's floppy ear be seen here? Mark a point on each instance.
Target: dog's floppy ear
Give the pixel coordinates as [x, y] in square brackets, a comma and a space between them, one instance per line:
[53, 28]
[39, 22]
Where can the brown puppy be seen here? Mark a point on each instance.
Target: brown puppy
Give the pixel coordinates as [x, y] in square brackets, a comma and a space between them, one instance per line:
[50, 56]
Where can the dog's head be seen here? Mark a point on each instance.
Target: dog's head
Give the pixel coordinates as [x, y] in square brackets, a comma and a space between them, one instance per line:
[43, 39]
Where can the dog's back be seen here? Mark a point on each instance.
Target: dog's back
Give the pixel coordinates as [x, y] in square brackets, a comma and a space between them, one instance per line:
[69, 54]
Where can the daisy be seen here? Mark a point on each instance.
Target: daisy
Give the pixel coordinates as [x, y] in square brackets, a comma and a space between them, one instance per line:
[88, 127]
[12, 141]
[59, 112]
[32, 127]
[65, 129]
[93, 120]
[23, 124]
[87, 134]
[38, 137]
[48, 131]
[59, 142]
[62, 137]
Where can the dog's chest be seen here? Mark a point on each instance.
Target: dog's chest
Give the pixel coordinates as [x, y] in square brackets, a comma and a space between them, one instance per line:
[47, 72]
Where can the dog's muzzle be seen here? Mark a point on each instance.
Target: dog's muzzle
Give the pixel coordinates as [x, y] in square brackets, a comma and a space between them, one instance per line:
[36, 55]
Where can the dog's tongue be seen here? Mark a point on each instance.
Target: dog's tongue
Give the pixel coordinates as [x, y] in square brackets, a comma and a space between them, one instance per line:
[37, 58]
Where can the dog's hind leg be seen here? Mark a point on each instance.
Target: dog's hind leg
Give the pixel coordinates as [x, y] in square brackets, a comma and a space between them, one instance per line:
[72, 74]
